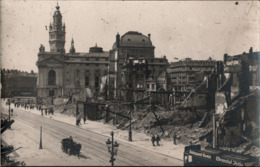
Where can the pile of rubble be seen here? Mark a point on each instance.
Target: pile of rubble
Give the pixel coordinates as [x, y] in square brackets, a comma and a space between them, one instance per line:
[67, 109]
[186, 123]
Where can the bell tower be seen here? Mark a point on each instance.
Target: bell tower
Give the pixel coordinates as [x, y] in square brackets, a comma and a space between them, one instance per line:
[57, 33]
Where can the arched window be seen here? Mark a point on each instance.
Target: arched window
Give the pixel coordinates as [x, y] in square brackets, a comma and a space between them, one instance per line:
[52, 77]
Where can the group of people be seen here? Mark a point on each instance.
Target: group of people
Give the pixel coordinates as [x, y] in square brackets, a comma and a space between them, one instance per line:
[25, 105]
[157, 139]
[47, 111]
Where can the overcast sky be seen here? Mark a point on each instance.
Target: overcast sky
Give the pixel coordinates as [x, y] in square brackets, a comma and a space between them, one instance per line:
[196, 29]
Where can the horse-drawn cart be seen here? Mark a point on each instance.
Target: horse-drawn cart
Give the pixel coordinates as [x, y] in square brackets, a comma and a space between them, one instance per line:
[68, 146]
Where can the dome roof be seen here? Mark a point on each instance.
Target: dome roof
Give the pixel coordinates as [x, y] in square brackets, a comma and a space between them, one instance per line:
[134, 39]
[95, 49]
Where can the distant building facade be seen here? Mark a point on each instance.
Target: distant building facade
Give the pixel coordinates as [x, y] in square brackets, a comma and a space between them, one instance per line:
[186, 74]
[136, 67]
[243, 71]
[239, 77]
[85, 74]
[18, 83]
[64, 74]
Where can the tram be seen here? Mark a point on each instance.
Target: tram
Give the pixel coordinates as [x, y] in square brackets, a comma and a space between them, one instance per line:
[195, 156]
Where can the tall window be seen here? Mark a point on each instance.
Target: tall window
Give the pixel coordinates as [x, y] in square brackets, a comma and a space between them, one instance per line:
[96, 82]
[86, 81]
[52, 77]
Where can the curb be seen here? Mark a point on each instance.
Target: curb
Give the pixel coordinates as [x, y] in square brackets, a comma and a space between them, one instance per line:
[127, 142]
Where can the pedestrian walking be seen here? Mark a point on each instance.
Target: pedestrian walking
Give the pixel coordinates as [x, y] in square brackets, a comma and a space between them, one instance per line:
[78, 120]
[174, 138]
[157, 140]
[153, 140]
[45, 111]
[51, 111]
[84, 118]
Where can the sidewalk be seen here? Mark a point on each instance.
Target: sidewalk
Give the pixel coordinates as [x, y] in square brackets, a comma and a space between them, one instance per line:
[139, 139]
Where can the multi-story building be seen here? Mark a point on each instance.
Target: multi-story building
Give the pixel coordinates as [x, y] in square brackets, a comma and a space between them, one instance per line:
[18, 83]
[187, 74]
[237, 99]
[70, 73]
[243, 71]
[62, 73]
[138, 68]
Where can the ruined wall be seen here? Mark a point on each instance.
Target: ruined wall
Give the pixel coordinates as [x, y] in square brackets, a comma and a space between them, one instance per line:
[232, 136]
[220, 103]
[252, 109]
[198, 100]
[160, 98]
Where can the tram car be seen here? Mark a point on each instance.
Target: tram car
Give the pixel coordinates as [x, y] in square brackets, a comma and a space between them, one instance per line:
[195, 156]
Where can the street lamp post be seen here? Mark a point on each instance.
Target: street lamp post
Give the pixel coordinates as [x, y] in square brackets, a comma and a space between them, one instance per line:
[9, 103]
[112, 148]
[77, 113]
[130, 129]
[9, 110]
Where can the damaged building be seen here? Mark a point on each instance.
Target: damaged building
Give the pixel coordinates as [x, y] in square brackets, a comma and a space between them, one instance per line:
[99, 74]
[187, 74]
[237, 98]
[137, 71]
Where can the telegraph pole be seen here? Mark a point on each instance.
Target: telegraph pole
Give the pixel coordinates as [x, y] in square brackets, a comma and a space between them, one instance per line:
[77, 112]
[112, 154]
[40, 147]
[130, 128]
[9, 110]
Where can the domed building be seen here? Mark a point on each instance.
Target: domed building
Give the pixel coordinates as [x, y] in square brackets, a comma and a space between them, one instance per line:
[129, 66]
[135, 44]
[134, 67]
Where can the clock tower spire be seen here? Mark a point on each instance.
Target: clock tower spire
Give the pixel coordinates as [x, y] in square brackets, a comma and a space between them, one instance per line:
[57, 32]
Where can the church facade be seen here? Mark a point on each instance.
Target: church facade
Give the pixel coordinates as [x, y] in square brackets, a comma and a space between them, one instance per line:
[86, 74]
[64, 74]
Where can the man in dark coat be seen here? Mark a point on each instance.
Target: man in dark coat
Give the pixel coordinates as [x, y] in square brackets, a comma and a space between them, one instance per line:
[174, 138]
[84, 118]
[78, 120]
[153, 140]
[157, 140]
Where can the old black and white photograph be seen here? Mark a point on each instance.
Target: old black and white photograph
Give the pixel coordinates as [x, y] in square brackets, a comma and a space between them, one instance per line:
[130, 83]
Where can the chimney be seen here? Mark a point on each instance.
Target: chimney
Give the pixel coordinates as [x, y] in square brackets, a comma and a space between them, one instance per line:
[149, 35]
[251, 50]
[117, 40]
[225, 58]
